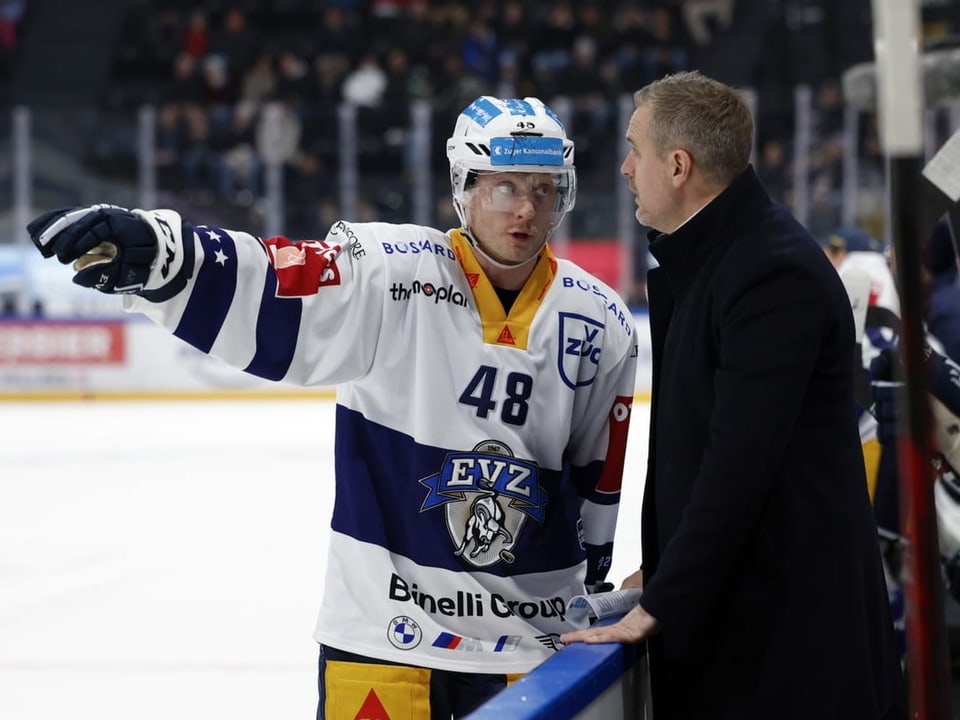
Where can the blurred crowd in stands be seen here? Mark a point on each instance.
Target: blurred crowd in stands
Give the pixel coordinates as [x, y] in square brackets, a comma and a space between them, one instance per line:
[211, 67]
[11, 13]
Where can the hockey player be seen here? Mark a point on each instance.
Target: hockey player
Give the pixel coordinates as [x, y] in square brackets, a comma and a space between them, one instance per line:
[484, 389]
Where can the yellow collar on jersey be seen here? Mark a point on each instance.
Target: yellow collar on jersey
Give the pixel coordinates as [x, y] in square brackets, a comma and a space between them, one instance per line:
[513, 329]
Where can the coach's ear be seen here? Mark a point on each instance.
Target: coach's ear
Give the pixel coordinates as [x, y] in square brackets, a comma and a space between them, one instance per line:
[681, 166]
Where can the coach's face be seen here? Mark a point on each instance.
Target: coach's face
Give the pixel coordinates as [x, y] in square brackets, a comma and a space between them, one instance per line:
[650, 171]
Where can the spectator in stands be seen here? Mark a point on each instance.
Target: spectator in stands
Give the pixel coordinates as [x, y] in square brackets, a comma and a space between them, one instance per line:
[11, 13]
[763, 588]
[393, 119]
[329, 72]
[664, 50]
[259, 82]
[196, 35]
[401, 88]
[295, 80]
[219, 86]
[453, 86]
[630, 26]
[237, 165]
[773, 169]
[279, 144]
[183, 130]
[594, 20]
[185, 85]
[592, 97]
[705, 17]
[365, 84]
[337, 33]
[514, 29]
[235, 40]
[551, 49]
[479, 51]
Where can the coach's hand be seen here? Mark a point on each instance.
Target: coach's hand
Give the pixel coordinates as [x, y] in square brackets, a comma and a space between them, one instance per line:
[633, 627]
[115, 250]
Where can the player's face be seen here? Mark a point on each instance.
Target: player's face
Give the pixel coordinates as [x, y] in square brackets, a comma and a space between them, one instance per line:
[512, 213]
[648, 175]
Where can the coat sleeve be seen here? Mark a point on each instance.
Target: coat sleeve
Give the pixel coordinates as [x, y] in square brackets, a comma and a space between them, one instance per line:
[307, 312]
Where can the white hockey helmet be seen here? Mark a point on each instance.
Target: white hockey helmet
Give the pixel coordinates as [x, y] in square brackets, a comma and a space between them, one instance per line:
[511, 135]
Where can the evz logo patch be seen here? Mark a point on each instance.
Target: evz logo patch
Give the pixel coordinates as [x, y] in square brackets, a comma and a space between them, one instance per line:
[303, 267]
[579, 351]
[487, 495]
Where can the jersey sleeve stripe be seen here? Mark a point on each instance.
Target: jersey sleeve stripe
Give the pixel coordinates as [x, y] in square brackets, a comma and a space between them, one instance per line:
[278, 327]
[213, 293]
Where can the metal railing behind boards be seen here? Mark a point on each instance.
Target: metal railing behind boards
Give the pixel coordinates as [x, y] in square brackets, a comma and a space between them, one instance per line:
[296, 170]
[57, 159]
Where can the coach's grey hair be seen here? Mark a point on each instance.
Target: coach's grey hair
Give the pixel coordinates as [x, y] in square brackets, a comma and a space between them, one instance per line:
[708, 119]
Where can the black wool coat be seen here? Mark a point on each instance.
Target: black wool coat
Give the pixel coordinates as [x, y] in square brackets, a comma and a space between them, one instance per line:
[760, 551]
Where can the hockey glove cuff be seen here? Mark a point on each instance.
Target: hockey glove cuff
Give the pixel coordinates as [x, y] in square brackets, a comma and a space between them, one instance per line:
[117, 251]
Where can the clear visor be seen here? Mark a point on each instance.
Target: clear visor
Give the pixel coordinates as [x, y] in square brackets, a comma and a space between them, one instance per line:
[547, 194]
[508, 192]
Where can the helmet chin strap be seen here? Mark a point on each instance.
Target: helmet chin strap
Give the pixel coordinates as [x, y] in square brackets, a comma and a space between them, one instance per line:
[497, 263]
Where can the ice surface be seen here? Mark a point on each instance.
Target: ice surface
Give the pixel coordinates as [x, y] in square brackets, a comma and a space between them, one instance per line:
[164, 560]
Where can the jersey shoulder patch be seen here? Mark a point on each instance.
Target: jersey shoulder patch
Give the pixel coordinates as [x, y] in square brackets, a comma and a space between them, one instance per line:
[303, 267]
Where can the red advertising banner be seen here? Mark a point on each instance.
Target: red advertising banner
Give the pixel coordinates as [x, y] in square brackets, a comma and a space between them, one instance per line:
[62, 343]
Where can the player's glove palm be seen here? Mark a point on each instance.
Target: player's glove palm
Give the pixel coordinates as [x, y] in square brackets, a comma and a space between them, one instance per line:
[115, 250]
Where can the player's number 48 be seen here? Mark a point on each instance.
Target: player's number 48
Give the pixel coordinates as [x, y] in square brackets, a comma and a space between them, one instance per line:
[479, 394]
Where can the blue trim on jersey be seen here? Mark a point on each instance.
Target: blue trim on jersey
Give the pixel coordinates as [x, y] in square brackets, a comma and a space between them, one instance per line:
[586, 481]
[379, 499]
[213, 290]
[278, 326]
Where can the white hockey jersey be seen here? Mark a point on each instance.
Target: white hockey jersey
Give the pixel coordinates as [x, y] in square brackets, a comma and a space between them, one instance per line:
[478, 455]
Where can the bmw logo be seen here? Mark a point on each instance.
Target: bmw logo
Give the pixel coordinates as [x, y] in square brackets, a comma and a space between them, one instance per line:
[404, 633]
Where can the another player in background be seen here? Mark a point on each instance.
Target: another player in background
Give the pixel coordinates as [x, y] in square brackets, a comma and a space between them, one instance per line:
[938, 265]
[855, 253]
[484, 389]
[763, 588]
[942, 340]
[852, 248]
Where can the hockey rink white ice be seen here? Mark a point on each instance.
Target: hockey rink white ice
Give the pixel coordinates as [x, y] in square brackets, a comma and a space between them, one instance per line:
[164, 560]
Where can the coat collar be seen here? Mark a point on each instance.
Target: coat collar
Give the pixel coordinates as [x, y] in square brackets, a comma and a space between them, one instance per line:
[682, 252]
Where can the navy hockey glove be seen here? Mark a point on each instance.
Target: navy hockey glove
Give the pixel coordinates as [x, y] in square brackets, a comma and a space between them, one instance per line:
[888, 394]
[114, 250]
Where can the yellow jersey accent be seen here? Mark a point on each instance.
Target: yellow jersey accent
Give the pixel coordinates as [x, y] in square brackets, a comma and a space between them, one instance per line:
[513, 329]
[871, 462]
[380, 692]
